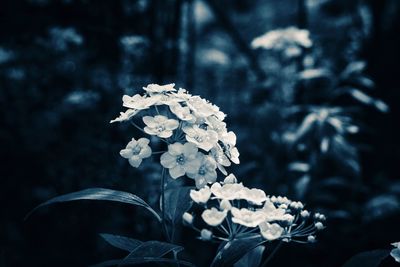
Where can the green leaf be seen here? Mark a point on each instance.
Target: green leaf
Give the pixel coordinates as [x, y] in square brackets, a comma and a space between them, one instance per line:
[134, 261]
[252, 258]
[177, 202]
[232, 251]
[154, 249]
[100, 194]
[121, 242]
[367, 259]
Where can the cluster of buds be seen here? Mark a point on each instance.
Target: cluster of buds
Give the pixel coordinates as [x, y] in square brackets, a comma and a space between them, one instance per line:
[198, 142]
[232, 211]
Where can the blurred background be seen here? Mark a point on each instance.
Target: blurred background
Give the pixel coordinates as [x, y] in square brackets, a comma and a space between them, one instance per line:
[311, 89]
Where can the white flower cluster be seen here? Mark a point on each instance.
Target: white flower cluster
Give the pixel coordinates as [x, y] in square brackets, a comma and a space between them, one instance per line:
[290, 41]
[241, 212]
[194, 129]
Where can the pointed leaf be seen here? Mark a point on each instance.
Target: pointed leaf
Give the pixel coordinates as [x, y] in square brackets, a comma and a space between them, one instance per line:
[121, 242]
[100, 194]
[252, 258]
[154, 249]
[367, 259]
[232, 251]
[177, 202]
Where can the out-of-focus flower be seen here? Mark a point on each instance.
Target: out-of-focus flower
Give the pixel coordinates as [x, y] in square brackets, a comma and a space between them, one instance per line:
[290, 41]
[158, 89]
[271, 231]
[395, 253]
[204, 139]
[181, 159]
[206, 173]
[213, 217]
[200, 196]
[136, 151]
[160, 125]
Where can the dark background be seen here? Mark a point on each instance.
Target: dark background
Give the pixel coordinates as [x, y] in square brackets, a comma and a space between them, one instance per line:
[64, 66]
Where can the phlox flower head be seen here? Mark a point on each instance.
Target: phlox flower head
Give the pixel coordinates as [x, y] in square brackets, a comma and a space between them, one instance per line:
[136, 151]
[240, 212]
[193, 129]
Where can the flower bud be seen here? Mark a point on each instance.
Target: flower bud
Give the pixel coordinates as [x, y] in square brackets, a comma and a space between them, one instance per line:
[225, 204]
[304, 213]
[319, 226]
[206, 234]
[311, 238]
[187, 217]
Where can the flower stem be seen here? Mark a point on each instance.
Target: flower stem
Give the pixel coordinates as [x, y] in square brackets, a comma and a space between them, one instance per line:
[269, 258]
[164, 224]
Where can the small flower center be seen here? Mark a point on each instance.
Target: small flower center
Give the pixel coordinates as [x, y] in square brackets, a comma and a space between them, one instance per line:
[160, 128]
[202, 171]
[136, 150]
[180, 159]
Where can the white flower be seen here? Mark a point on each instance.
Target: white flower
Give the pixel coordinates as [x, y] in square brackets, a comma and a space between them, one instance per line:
[204, 139]
[275, 214]
[225, 204]
[206, 234]
[227, 191]
[160, 125]
[182, 95]
[200, 196]
[181, 159]
[136, 151]
[247, 217]
[124, 116]
[395, 253]
[271, 231]
[187, 217]
[230, 179]
[137, 102]
[201, 107]
[217, 125]
[158, 89]
[254, 195]
[182, 113]
[213, 217]
[220, 157]
[206, 172]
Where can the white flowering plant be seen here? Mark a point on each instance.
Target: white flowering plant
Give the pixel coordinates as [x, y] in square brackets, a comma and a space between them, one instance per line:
[192, 141]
